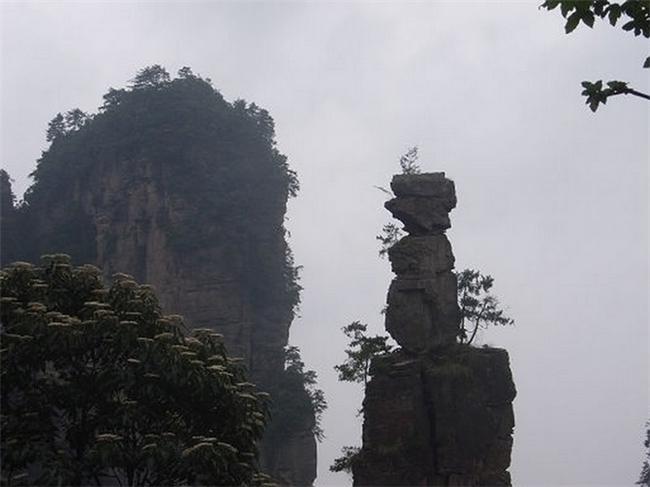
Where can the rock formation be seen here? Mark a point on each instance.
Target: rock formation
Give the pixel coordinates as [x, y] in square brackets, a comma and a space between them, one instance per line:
[436, 413]
[187, 192]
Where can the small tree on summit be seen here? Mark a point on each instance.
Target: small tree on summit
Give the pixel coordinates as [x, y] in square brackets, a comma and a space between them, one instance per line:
[185, 72]
[150, 76]
[55, 128]
[112, 99]
[409, 161]
[63, 124]
[75, 119]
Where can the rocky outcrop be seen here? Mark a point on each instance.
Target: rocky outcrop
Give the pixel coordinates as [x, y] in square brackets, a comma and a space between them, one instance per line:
[422, 311]
[187, 192]
[435, 412]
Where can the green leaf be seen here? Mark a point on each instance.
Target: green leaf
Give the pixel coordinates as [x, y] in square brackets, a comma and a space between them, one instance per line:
[550, 4]
[566, 7]
[588, 18]
[614, 14]
[629, 26]
[617, 86]
[572, 22]
[599, 7]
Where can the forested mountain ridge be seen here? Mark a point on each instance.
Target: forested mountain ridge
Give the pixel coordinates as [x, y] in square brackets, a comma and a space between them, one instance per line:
[171, 183]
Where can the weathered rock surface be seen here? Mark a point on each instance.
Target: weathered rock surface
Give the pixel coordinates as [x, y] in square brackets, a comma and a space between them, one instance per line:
[433, 184]
[422, 202]
[422, 311]
[435, 413]
[438, 420]
[420, 216]
[417, 257]
[423, 314]
[293, 458]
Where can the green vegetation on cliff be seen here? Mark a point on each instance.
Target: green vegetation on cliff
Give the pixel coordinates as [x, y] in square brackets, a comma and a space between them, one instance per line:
[216, 160]
[297, 403]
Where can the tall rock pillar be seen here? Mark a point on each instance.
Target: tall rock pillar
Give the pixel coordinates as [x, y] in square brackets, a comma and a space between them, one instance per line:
[436, 413]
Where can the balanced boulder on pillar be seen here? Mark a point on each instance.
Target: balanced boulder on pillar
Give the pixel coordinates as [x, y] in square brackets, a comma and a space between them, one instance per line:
[422, 312]
[436, 413]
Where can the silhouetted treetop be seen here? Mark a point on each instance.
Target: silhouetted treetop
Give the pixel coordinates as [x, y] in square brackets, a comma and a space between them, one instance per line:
[150, 77]
[183, 122]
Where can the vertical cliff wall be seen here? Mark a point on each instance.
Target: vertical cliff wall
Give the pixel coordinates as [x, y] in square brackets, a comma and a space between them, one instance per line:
[435, 412]
[187, 192]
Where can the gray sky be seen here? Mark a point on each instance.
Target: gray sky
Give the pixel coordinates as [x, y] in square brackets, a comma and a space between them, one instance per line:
[553, 200]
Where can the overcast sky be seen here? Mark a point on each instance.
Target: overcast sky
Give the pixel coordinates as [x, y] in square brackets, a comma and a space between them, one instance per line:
[552, 199]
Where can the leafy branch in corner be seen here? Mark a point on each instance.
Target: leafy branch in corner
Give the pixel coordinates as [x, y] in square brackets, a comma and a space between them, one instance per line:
[636, 17]
[596, 94]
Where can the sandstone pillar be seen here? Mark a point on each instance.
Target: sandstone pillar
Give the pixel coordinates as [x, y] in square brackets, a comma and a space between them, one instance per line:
[436, 413]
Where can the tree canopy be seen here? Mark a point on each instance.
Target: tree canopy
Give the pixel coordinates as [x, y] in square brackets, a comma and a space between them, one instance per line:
[98, 387]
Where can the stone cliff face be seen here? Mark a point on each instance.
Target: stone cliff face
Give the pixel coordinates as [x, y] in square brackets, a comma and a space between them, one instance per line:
[435, 412]
[129, 212]
[185, 191]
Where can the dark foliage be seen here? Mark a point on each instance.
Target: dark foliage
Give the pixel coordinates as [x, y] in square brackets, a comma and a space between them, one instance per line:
[361, 350]
[478, 307]
[350, 455]
[297, 404]
[99, 387]
[9, 238]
